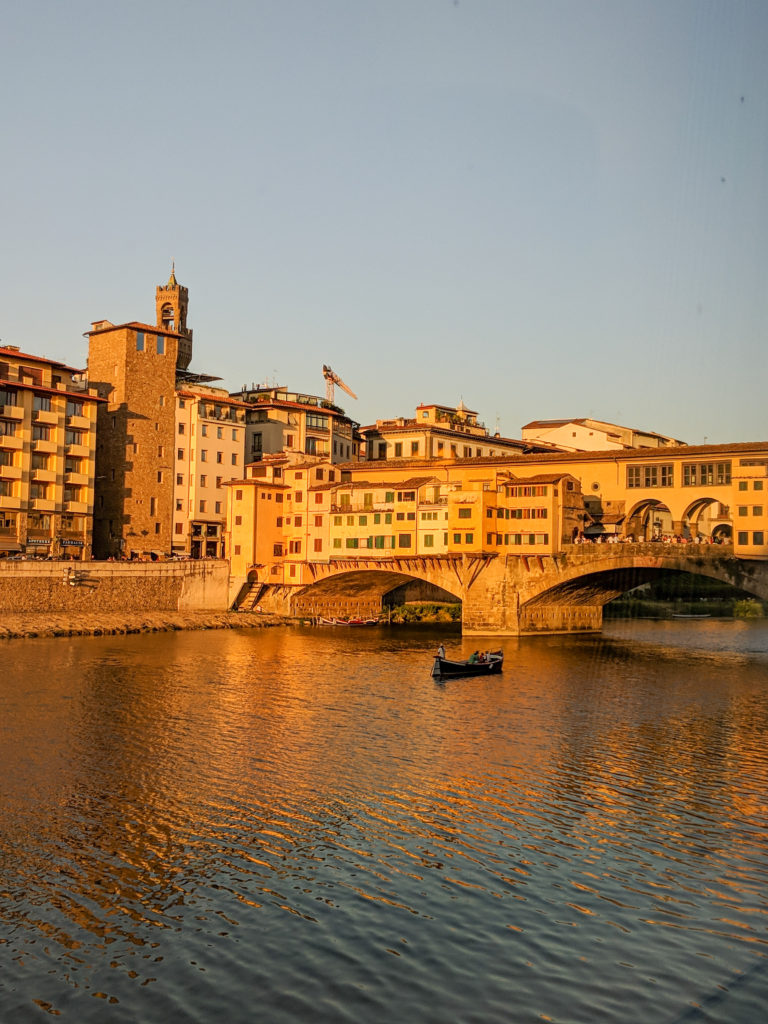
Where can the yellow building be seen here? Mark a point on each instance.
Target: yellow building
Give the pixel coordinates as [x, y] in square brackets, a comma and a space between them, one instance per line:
[437, 432]
[515, 505]
[47, 446]
[299, 425]
[750, 508]
[210, 442]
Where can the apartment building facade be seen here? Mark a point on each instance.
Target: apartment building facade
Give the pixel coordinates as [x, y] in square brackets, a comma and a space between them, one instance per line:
[209, 451]
[299, 425]
[47, 457]
[436, 432]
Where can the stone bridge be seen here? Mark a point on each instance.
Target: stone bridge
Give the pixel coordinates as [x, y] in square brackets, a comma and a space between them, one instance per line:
[515, 594]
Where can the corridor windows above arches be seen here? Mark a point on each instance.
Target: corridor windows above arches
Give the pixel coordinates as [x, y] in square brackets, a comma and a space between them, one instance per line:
[651, 476]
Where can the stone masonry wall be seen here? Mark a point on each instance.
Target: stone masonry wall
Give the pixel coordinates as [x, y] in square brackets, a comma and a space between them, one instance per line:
[88, 587]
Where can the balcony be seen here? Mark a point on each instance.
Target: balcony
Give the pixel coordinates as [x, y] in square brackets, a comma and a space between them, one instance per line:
[79, 422]
[10, 472]
[45, 476]
[49, 447]
[79, 507]
[11, 502]
[76, 479]
[43, 505]
[47, 416]
[80, 451]
[11, 441]
[385, 506]
[12, 412]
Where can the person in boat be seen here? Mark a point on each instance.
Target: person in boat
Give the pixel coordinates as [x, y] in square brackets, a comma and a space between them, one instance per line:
[473, 658]
[482, 657]
[441, 651]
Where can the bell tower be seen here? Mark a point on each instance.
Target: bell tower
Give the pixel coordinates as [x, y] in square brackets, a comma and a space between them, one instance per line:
[171, 301]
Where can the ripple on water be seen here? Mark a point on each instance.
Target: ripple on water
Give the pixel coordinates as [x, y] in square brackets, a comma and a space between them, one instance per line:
[203, 827]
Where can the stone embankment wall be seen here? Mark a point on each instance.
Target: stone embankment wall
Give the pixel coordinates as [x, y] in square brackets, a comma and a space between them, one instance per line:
[94, 587]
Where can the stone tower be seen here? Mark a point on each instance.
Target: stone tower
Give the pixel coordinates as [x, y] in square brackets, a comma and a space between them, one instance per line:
[171, 302]
[134, 367]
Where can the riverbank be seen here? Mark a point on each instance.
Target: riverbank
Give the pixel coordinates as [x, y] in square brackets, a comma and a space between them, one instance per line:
[30, 625]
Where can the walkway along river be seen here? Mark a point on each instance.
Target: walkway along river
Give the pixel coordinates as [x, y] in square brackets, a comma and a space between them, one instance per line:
[289, 825]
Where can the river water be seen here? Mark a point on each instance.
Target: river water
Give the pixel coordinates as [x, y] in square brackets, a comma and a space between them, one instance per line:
[294, 825]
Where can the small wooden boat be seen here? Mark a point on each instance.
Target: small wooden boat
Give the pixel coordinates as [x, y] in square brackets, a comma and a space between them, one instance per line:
[444, 668]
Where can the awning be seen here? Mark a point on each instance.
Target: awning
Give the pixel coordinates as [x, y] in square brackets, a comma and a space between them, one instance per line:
[9, 545]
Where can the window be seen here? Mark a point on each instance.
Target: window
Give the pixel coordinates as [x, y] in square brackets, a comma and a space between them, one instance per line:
[469, 538]
[152, 506]
[318, 520]
[650, 476]
[179, 528]
[337, 542]
[41, 403]
[159, 476]
[757, 485]
[351, 542]
[203, 454]
[203, 480]
[758, 537]
[179, 479]
[297, 520]
[179, 505]
[234, 459]
[429, 540]
[139, 341]
[362, 520]
[219, 432]
[404, 540]
[294, 547]
[40, 432]
[743, 537]
[743, 510]
[743, 485]
[74, 436]
[218, 508]
[457, 538]
[465, 513]
[337, 520]
[219, 457]
[318, 544]
[414, 447]
[757, 510]
[238, 495]
[318, 498]
[706, 473]
[160, 345]
[203, 505]
[234, 435]
[182, 428]
[238, 520]
[398, 449]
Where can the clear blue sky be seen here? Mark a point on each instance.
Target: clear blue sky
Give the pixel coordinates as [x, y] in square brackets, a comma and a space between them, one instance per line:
[547, 208]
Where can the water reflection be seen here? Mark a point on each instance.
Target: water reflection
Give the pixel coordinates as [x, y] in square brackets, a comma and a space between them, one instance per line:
[191, 821]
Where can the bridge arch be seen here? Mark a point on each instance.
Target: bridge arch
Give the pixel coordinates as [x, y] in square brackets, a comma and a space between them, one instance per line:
[616, 576]
[362, 591]
[649, 519]
[712, 510]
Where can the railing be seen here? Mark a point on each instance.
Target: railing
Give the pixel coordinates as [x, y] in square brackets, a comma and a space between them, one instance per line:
[379, 507]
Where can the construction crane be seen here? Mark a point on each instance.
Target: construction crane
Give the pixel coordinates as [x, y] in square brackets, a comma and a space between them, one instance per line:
[331, 380]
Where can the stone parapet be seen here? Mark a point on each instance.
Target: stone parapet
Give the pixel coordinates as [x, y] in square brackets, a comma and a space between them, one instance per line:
[92, 587]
